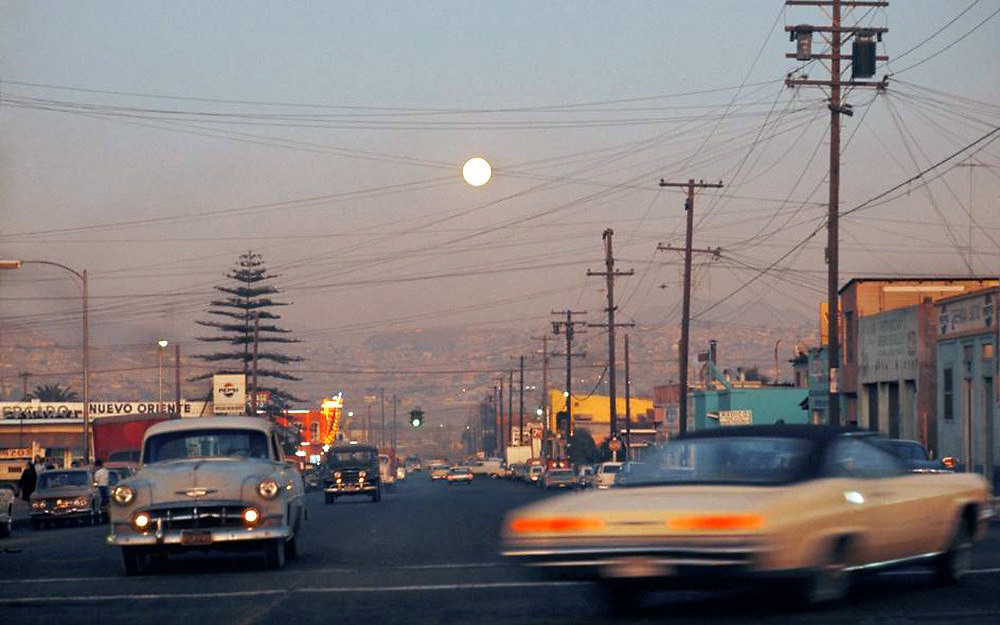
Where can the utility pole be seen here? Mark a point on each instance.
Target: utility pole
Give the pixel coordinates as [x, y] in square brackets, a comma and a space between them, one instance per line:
[686, 315]
[24, 375]
[862, 63]
[520, 402]
[177, 378]
[610, 275]
[395, 402]
[569, 327]
[381, 436]
[628, 404]
[510, 406]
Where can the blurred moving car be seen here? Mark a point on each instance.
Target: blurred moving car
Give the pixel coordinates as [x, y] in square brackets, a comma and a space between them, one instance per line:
[352, 469]
[558, 478]
[808, 504]
[605, 474]
[8, 493]
[917, 457]
[439, 471]
[65, 495]
[459, 474]
[212, 483]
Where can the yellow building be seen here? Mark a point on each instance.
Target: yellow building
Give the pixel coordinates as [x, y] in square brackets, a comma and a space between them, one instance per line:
[593, 412]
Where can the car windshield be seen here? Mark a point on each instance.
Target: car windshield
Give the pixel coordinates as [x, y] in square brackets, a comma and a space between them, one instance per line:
[220, 443]
[61, 479]
[908, 450]
[725, 460]
[611, 468]
[353, 456]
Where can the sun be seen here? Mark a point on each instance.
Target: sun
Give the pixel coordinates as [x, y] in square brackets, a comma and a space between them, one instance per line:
[477, 171]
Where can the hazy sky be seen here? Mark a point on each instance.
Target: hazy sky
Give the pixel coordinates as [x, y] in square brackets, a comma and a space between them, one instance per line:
[153, 142]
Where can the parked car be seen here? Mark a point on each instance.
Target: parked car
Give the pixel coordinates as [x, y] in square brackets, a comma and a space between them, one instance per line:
[8, 493]
[810, 505]
[917, 457]
[65, 495]
[212, 483]
[558, 478]
[459, 474]
[352, 469]
[604, 476]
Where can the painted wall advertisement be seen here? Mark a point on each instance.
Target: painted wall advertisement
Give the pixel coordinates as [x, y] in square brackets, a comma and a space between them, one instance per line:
[72, 412]
[229, 394]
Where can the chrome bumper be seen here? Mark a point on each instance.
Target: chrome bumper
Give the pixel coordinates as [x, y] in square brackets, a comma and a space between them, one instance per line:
[180, 537]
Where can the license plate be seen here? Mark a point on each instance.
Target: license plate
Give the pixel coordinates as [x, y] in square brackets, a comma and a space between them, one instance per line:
[196, 537]
[638, 567]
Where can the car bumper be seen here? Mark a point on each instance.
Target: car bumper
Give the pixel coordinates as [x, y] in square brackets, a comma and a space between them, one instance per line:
[64, 513]
[354, 489]
[198, 538]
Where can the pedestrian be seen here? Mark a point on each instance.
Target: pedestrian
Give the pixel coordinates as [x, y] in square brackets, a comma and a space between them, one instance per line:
[28, 481]
[101, 478]
[39, 465]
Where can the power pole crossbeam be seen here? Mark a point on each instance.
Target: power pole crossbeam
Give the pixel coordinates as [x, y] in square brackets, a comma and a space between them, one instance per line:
[568, 327]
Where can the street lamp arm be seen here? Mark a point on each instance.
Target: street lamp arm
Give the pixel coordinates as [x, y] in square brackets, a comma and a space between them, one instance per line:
[54, 264]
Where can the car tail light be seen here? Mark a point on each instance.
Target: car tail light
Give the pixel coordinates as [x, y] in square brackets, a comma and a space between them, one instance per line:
[718, 522]
[949, 462]
[556, 524]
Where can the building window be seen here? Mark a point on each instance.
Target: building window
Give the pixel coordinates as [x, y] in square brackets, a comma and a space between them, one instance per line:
[948, 393]
[987, 351]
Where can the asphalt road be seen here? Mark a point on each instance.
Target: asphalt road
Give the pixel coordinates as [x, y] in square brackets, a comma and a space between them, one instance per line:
[427, 553]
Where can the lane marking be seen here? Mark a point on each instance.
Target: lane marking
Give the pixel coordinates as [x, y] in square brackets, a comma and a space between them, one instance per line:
[256, 593]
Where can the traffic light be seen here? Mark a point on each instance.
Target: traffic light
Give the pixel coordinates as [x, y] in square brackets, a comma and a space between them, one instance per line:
[416, 417]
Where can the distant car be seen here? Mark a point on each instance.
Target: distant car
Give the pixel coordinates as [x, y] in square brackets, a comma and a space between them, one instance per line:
[352, 469]
[534, 473]
[65, 495]
[916, 456]
[606, 473]
[8, 492]
[439, 471]
[493, 467]
[558, 478]
[459, 474]
[585, 478]
[212, 483]
[806, 505]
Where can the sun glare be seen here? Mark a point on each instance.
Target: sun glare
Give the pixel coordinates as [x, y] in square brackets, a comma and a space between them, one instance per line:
[477, 171]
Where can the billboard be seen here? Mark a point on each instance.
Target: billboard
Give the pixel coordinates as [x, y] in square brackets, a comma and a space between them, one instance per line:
[229, 393]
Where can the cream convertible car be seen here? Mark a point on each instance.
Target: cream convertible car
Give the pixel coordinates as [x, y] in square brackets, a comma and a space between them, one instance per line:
[807, 503]
[215, 483]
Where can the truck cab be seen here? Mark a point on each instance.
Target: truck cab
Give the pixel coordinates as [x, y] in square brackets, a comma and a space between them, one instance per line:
[352, 469]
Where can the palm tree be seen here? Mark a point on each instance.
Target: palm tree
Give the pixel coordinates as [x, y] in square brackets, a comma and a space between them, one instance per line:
[51, 392]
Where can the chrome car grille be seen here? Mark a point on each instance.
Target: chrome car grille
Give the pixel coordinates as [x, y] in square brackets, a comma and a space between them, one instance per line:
[203, 516]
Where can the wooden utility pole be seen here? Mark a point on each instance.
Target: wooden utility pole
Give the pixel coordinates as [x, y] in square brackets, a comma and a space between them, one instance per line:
[569, 327]
[545, 378]
[609, 274]
[628, 403]
[862, 59]
[686, 315]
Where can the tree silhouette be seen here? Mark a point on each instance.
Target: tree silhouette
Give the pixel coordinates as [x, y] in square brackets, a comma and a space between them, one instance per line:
[246, 304]
[51, 392]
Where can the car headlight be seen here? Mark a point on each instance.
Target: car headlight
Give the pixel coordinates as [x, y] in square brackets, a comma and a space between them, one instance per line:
[362, 474]
[81, 502]
[268, 488]
[38, 505]
[141, 521]
[123, 495]
[337, 474]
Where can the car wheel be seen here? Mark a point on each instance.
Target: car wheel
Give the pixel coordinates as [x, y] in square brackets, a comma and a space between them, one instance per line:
[830, 581]
[952, 565]
[133, 560]
[274, 553]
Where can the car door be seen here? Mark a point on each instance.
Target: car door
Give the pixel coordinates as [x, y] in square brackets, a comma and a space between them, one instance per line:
[880, 489]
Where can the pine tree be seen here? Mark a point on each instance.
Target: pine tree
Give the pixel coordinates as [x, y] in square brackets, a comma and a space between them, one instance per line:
[247, 303]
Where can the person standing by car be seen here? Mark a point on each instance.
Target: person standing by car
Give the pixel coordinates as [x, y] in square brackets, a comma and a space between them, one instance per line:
[28, 481]
[102, 479]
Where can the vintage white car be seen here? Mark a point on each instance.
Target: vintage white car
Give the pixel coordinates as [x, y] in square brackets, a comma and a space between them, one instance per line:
[214, 483]
[809, 504]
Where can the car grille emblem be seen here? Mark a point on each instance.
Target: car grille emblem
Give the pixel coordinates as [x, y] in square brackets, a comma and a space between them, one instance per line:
[194, 493]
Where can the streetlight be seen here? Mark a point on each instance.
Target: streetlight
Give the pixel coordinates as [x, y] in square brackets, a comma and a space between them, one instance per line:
[162, 343]
[16, 264]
